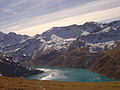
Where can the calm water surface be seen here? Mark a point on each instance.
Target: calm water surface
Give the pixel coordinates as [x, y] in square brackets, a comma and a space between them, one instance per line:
[69, 74]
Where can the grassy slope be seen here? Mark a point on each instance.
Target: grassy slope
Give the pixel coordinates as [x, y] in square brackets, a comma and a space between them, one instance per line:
[74, 59]
[7, 83]
[108, 64]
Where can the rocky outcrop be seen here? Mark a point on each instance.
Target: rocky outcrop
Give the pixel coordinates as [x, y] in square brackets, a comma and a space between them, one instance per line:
[8, 67]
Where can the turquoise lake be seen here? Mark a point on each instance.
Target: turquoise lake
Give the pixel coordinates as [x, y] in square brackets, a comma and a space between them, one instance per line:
[69, 74]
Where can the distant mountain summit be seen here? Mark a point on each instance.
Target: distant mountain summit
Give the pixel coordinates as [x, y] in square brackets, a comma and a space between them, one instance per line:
[94, 34]
[11, 39]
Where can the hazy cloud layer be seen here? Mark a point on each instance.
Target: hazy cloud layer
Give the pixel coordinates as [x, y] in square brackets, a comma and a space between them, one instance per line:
[26, 16]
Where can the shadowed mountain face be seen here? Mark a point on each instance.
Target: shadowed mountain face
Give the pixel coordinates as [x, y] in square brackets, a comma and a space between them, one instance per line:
[11, 38]
[8, 67]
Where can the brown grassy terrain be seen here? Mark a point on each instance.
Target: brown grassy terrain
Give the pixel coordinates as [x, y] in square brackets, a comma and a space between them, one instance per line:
[74, 59]
[7, 83]
[108, 64]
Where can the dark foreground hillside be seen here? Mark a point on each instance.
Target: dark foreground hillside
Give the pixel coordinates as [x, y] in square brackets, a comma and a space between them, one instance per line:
[7, 83]
[8, 67]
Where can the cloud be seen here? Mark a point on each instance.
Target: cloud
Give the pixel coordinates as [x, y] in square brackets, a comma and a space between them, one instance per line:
[80, 19]
[9, 11]
[42, 16]
[17, 3]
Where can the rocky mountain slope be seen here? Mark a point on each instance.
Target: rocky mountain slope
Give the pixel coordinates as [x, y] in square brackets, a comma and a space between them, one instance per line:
[9, 67]
[68, 46]
[95, 36]
[108, 64]
[11, 39]
[58, 39]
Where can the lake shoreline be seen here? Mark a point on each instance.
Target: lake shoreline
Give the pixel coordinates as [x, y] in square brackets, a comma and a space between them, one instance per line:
[68, 74]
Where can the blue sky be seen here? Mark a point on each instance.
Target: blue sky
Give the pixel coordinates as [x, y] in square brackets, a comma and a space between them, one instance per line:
[35, 16]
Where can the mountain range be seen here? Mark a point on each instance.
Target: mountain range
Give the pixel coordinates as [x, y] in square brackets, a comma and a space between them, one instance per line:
[79, 46]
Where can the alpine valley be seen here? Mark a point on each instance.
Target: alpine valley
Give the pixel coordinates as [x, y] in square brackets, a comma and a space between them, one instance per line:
[94, 46]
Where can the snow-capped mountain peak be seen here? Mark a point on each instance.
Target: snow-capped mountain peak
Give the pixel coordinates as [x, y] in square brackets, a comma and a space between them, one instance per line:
[96, 35]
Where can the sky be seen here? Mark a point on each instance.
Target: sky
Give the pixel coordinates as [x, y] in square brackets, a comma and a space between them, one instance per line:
[32, 17]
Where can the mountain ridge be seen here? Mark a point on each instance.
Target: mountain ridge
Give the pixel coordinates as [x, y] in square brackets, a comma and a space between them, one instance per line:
[73, 46]
[59, 38]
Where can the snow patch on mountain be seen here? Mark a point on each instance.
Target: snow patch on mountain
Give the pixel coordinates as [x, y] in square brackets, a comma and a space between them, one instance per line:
[98, 47]
[85, 33]
[96, 35]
